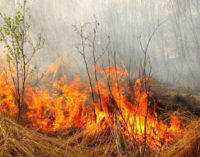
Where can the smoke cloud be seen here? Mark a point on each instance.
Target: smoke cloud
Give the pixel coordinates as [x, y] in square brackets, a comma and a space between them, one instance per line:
[174, 49]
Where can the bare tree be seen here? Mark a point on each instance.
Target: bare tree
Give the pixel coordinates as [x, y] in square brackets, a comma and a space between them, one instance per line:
[146, 63]
[88, 48]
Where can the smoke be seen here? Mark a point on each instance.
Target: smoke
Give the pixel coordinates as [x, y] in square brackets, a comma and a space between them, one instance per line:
[174, 49]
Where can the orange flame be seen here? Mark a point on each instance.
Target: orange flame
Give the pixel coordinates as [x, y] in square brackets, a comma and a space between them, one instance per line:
[70, 104]
[7, 101]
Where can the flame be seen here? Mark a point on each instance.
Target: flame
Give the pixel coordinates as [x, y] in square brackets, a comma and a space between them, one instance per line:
[7, 101]
[70, 104]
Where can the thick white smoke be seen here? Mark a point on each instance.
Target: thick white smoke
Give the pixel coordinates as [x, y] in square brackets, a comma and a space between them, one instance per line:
[174, 50]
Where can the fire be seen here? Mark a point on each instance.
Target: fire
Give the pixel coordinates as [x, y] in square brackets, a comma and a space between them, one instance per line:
[70, 104]
[52, 112]
[7, 101]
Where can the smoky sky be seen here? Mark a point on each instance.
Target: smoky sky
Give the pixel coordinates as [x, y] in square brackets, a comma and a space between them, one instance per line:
[174, 49]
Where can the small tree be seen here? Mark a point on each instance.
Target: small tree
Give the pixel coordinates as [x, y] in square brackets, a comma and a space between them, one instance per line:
[87, 48]
[19, 50]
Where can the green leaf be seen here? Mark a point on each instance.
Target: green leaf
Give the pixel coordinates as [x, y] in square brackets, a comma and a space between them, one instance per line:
[8, 58]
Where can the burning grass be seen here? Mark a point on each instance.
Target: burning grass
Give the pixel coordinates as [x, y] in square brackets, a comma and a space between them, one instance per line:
[121, 120]
[17, 140]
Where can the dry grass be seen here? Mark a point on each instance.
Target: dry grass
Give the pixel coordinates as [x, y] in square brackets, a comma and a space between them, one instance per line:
[18, 141]
[189, 145]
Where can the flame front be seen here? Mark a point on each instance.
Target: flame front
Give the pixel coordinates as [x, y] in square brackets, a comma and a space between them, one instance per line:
[70, 104]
